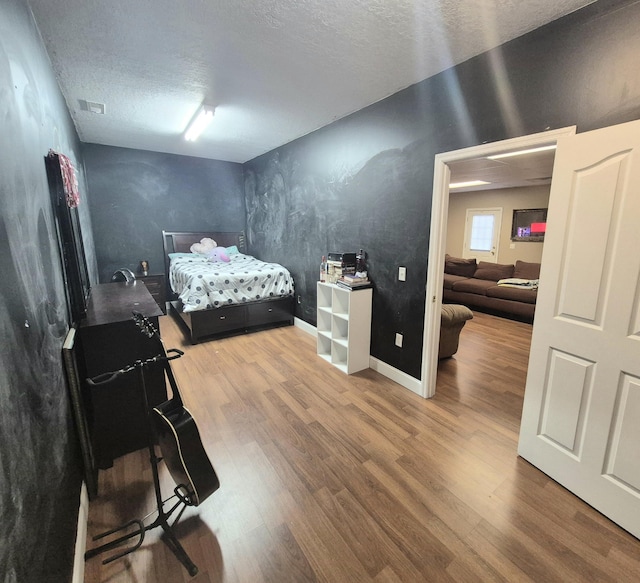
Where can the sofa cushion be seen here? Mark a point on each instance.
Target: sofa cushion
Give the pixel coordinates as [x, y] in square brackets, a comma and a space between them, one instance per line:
[473, 286]
[493, 271]
[449, 280]
[510, 293]
[459, 266]
[524, 270]
[454, 314]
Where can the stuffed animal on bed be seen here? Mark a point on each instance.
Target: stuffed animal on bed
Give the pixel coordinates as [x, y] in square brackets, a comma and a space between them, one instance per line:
[205, 246]
[218, 254]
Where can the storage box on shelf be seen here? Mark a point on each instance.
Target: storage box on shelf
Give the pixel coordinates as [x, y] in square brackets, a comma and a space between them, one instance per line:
[344, 326]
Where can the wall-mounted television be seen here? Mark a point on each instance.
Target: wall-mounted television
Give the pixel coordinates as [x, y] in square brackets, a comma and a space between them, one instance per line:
[529, 225]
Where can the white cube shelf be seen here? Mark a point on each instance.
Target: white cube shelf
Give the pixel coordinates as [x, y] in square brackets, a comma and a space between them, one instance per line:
[344, 326]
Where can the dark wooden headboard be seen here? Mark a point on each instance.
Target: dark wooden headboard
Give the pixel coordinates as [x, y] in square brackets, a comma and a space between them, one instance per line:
[181, 241]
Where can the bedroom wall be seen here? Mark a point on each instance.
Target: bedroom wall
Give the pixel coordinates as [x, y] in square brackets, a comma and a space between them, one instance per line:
[40, 473]
[366, 181]
[136, 194]
[508, 199]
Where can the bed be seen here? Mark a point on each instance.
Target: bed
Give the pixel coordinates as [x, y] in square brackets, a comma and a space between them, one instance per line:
[204, 314]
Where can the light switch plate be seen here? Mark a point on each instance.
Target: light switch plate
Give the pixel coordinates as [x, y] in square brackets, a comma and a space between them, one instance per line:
[402, 273]
[399, 340]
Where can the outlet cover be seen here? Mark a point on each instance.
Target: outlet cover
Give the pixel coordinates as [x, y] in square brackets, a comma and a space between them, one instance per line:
[399, 340]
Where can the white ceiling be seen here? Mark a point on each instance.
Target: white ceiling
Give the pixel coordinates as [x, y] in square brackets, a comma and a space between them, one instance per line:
[532, 169]
[275, 69]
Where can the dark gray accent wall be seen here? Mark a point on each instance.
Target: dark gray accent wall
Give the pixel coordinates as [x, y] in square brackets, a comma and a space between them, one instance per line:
[40, 472]
[366, 181]
[363, 182]
[136, 194]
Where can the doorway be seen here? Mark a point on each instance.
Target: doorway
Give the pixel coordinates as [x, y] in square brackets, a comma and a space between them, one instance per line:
[437, 243]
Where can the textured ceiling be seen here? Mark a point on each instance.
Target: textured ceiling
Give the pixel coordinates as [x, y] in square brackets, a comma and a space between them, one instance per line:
[274, 69]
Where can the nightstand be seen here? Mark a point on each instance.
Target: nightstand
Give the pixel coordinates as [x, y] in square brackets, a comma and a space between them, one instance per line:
[157, 288]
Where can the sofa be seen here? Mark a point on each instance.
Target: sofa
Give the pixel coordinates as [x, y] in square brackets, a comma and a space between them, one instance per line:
[452, 321]
[475, 284]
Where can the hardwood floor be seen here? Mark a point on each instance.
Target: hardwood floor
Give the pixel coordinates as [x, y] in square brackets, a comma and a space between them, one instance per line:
[334, 478]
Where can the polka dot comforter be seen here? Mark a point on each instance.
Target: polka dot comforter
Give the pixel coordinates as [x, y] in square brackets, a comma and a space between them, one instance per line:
[201, 284]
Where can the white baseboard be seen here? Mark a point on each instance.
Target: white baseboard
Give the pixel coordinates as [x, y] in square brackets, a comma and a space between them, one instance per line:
[81, 536]
[402, 378]
[305, 326]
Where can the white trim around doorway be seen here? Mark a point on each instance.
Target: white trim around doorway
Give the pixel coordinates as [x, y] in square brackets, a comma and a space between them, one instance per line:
[437, 240]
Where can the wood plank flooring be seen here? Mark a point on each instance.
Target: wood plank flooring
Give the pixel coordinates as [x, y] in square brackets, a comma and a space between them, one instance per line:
[333, 478]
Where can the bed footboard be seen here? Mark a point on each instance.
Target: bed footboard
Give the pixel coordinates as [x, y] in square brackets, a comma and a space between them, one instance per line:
[234, 319]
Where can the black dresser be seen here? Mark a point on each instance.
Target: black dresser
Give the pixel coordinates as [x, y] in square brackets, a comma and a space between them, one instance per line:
[111, 340]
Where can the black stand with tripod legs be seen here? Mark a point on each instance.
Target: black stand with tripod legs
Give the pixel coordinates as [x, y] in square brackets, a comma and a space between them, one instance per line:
[183, 500]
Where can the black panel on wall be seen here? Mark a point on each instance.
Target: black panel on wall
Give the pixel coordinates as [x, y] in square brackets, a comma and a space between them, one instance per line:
[136, 194]
[366, 181]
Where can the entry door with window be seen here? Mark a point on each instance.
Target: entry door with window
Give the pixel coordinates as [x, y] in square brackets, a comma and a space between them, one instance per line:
[482, 234]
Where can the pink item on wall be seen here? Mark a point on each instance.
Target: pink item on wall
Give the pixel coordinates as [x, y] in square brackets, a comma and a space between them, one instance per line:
[69, 180]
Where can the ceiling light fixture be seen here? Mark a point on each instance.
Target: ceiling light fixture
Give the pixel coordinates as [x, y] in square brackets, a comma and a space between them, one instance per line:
[200, 120]
[521, 152]
[468, 183]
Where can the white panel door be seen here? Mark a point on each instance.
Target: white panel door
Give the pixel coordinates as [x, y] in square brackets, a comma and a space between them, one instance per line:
[581, 416]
